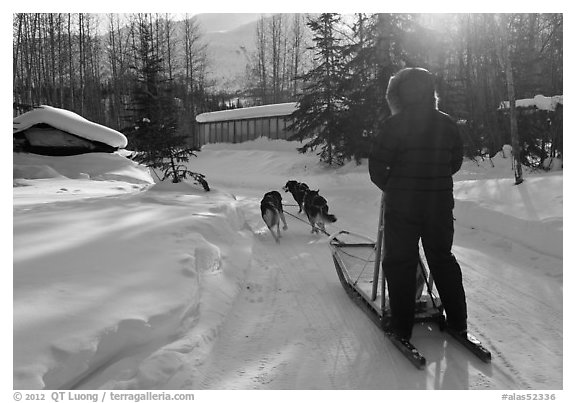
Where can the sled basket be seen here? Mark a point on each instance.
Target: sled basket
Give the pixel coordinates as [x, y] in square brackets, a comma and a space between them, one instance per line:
[355, 259]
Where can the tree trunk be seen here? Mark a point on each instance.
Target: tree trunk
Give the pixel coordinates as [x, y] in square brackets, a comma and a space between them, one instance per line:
[512, 100]
[296, 50]
[70, 61]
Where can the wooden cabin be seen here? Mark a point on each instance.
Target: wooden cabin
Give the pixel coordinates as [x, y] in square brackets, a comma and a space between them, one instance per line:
[244, 124]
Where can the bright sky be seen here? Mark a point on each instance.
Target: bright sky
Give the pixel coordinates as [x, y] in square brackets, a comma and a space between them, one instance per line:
[230, 6]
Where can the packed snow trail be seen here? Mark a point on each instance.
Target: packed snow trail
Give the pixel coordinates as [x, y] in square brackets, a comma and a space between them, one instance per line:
[294, 327]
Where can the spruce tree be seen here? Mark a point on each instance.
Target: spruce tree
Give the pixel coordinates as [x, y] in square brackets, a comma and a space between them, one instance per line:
[154, 135]
[316, 117]
[344, 99]
[361, 96]
[374, 54]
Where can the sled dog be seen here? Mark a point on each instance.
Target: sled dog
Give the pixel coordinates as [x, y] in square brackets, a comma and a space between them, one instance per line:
[316, 209]
[272, 213]
[298, 189]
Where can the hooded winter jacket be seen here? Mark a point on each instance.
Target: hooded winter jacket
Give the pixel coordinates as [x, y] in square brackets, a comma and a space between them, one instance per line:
[418, 148]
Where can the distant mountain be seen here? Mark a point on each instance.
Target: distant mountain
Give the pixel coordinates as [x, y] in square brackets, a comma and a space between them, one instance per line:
[224, 22]
[231, 40]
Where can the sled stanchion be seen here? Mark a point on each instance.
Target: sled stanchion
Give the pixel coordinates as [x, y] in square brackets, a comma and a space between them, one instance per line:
[378, 249]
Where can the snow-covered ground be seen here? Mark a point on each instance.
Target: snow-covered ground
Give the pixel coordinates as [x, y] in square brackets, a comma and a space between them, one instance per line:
[121, 284]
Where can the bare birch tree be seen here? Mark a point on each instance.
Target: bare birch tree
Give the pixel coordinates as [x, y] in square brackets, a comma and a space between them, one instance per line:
[504, 30]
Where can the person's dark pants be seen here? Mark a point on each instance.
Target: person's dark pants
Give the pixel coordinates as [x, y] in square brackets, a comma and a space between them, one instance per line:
[408, 218]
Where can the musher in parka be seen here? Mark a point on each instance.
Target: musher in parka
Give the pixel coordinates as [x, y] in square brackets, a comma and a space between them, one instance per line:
[412, 160]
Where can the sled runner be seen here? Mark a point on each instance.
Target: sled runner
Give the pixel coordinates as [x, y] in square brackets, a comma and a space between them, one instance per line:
[358, 264]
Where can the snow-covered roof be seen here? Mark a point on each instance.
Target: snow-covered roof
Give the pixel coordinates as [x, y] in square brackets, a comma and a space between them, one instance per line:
[69, 122]
[247, 113]
[539, 102]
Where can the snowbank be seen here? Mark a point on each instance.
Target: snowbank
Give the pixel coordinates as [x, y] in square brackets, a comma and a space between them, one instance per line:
[94, 166]
[70, 178]
[69, 122]
[117, 281]
[530, 213]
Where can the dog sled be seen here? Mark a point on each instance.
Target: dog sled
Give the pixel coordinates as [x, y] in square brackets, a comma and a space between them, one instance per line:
[358, 263]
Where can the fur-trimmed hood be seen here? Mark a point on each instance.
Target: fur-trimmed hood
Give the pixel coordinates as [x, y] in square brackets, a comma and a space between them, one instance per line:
[411, 86]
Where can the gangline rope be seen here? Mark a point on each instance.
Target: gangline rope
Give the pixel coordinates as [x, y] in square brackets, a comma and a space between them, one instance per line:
[366, 261]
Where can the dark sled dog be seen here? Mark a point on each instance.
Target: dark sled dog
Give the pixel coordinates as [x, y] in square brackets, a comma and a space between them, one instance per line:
[316, 208]
[298, 189]
[272, 213]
